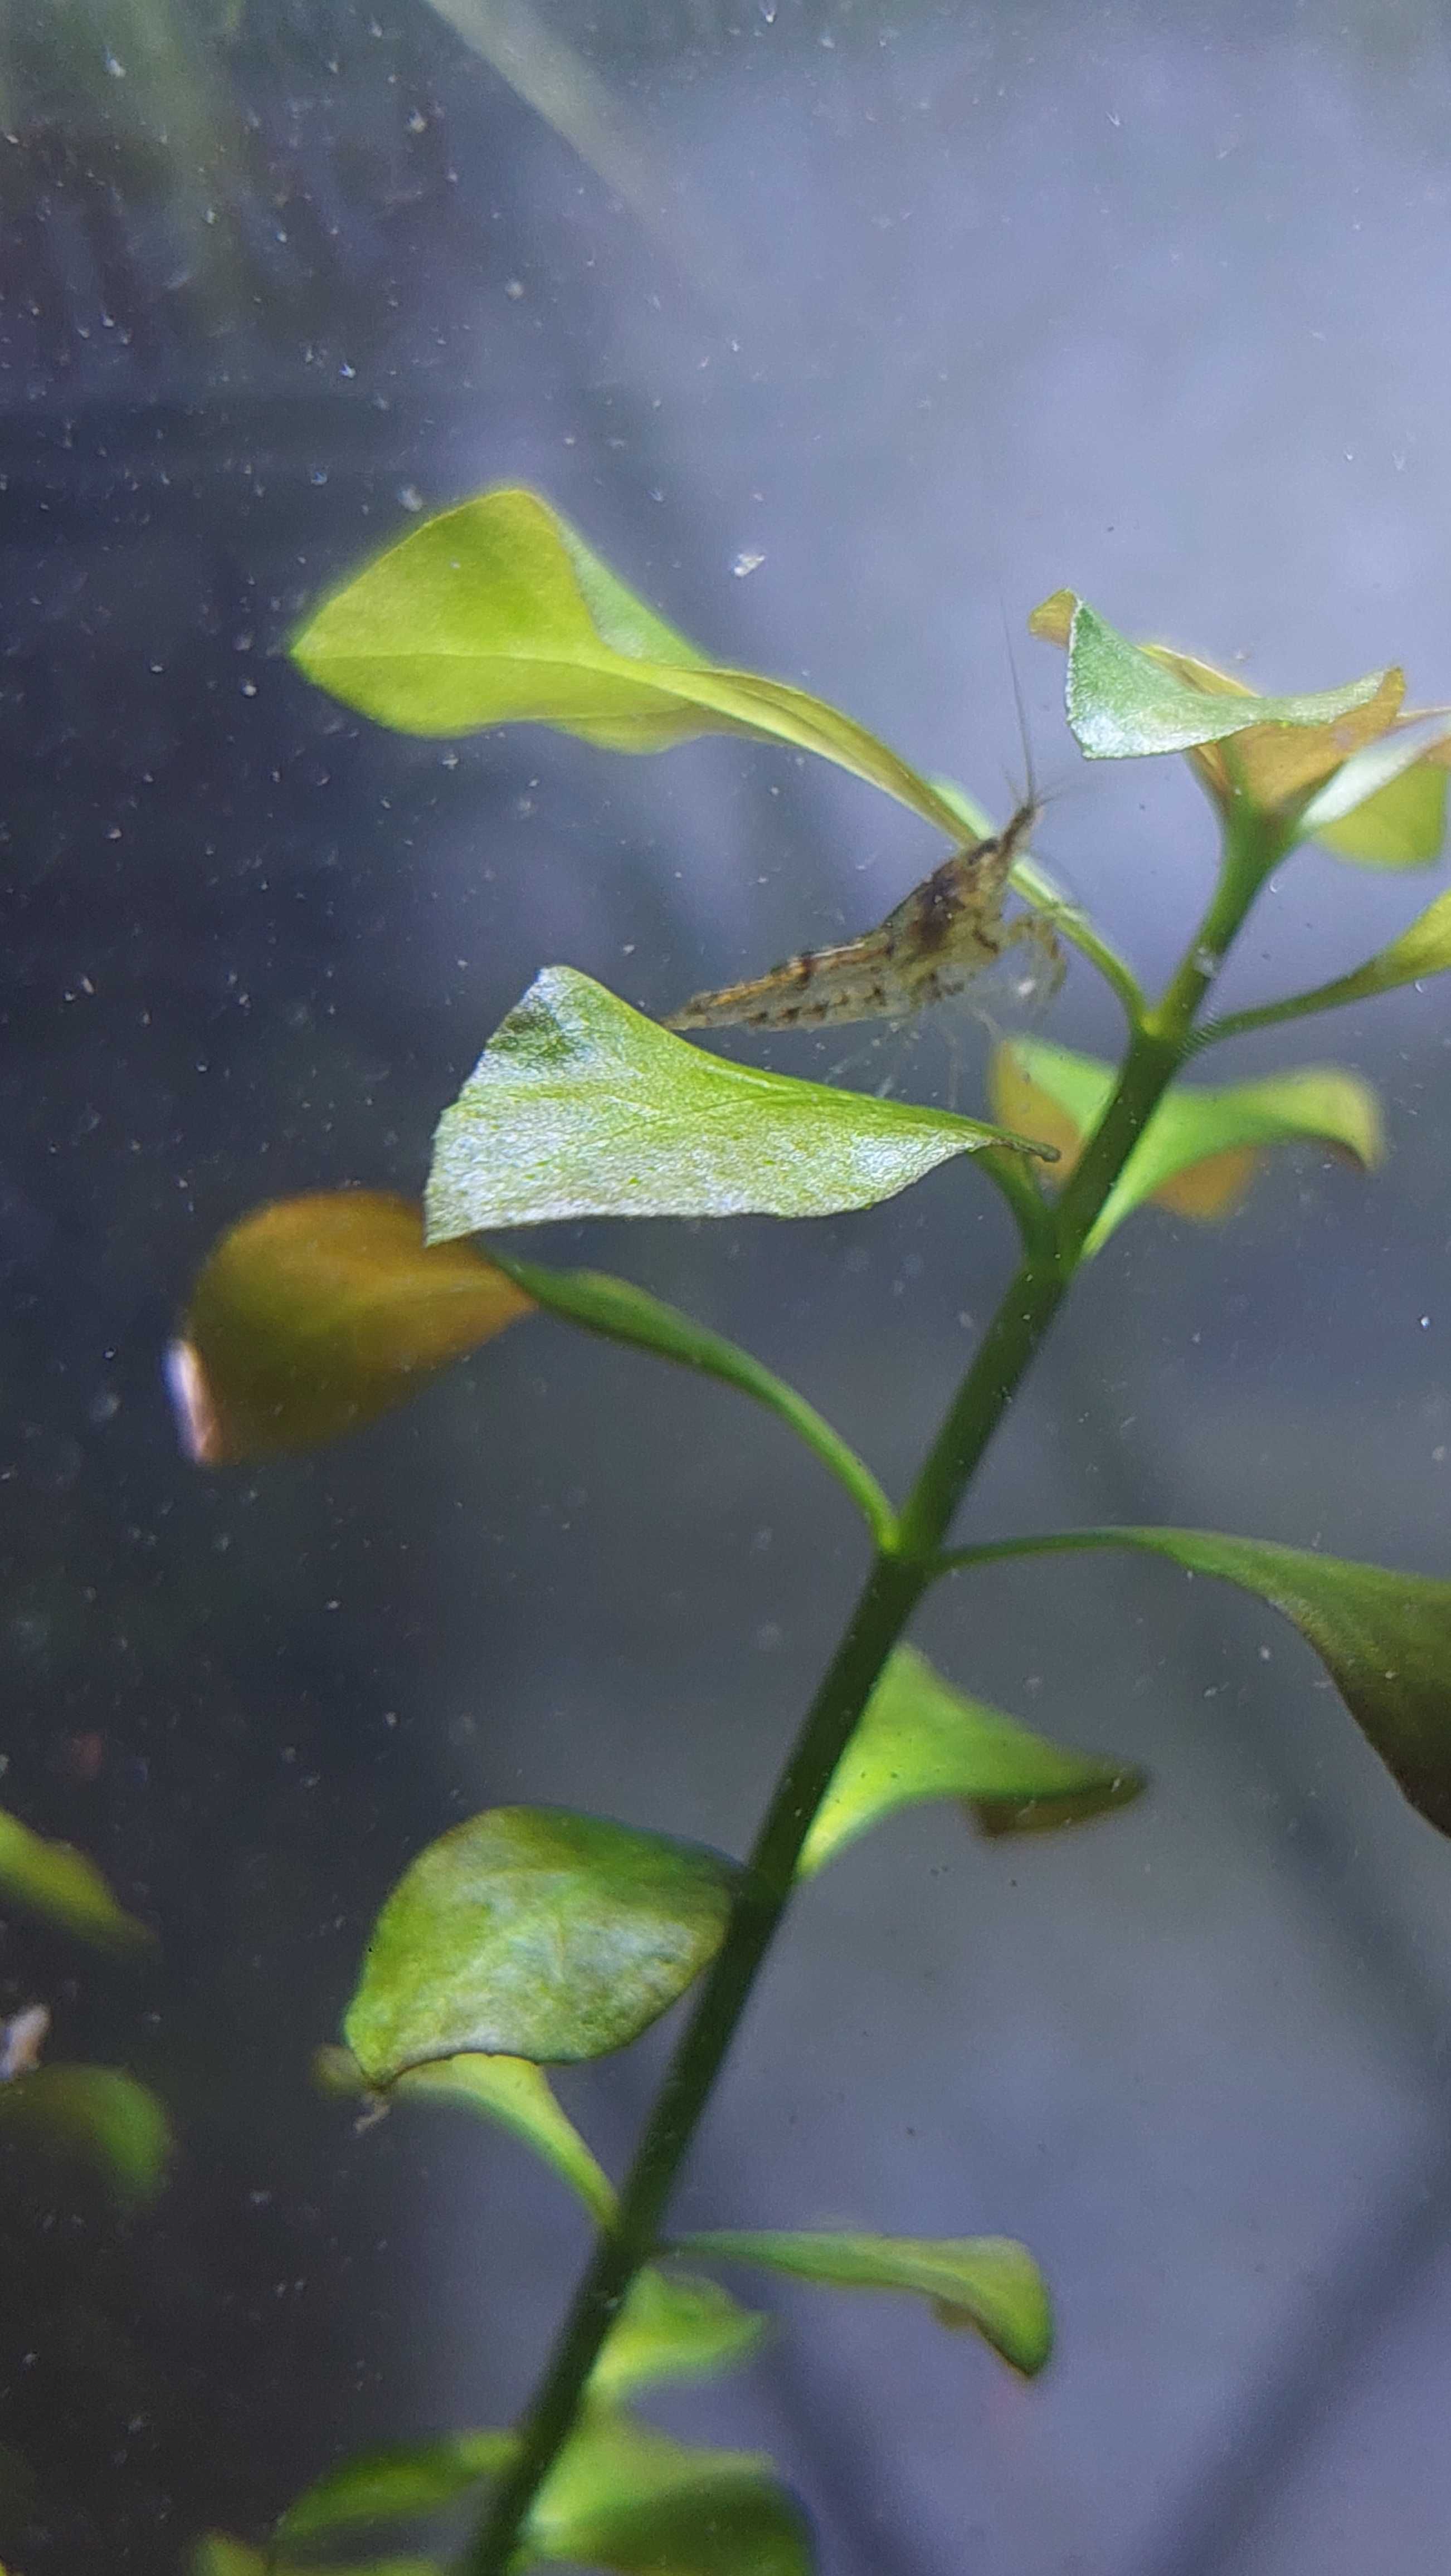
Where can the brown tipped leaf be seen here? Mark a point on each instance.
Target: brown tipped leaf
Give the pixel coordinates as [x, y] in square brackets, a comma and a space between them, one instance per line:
[317, 1313]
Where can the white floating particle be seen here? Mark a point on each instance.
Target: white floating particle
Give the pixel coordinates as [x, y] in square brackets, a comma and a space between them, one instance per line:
[745, 563]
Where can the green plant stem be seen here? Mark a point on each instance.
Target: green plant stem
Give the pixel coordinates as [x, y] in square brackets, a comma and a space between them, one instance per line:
[898, 1578]
[997, 1551]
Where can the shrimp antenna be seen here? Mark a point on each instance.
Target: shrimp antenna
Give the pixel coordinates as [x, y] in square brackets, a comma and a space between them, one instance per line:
[1030, 782]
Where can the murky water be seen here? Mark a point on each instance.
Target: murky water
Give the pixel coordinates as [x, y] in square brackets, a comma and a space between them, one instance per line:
[841, 332]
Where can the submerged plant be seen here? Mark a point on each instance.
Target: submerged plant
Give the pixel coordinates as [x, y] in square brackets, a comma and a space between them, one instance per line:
[528, 1936]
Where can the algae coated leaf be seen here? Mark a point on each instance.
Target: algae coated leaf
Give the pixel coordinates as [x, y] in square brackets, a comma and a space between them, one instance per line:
[624, 2497]
[988, 2282]
[57, 1882]
[316, 1313]
[919, 1739]
[516, 2094]
[497, 612]
[673, 2325]
[1384, 1638]
[1127, 701]
[393, 2483]
[580, 1106]
[532, 1932]
[98, 2114]
[1201, 1148]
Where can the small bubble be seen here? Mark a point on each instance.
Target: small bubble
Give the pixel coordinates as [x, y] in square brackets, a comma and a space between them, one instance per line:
[513, 288]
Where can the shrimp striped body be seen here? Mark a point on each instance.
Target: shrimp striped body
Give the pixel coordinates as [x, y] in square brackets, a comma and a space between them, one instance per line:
[933, 945]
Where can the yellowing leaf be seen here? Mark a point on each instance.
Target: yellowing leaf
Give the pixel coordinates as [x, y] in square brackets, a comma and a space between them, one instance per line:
[1212, 1189]
[316, 1313]
[1201, 1147]
[1129, 701]
[497, 612]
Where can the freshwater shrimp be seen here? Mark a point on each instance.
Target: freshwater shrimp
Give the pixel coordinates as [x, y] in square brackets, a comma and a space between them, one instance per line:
[932, 945]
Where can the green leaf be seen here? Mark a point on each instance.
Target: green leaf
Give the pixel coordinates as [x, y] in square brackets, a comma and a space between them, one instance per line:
[673, 2325]
[1201, 1148]
[99, 2114]
[1385, 807]
[58, 1883]
[1384, 1637]
[988, 2282]
[579, 1106]
[918, 1739]
[497, 612]
[531, 1932]
[516, 2094]
[394, 2483]
[314, 1314]
[624, 1313]
[624, 2497]
[219, 2555]
[1127, 702]
[1424, 949]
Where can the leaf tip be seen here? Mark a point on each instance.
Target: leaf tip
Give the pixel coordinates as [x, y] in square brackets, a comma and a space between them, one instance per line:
[198, 1425]
[1052, 620]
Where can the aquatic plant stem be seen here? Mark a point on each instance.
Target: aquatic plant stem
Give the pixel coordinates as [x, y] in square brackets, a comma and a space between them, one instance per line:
[900, 1574]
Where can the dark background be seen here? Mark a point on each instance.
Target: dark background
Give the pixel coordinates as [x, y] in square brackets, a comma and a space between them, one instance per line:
[930, 310]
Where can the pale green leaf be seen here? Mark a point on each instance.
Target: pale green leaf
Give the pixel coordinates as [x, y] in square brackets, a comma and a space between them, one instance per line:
[393, 2483]
[219, 2555]
[1384, 1638]
[989, 2282]
[532, 1932]
[1386, 806]
[1201, 1147]
[516, 2094]
[98, 2114]
[497, 612]
[1125, 702]
[316, 1313]
[919, 1739]
[626, 2498]
[673, 2325]
[58, 1883]
[1423, 950]
[579, 1106]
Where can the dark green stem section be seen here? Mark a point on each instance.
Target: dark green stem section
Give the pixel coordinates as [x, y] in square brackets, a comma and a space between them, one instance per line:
[901, 1572]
